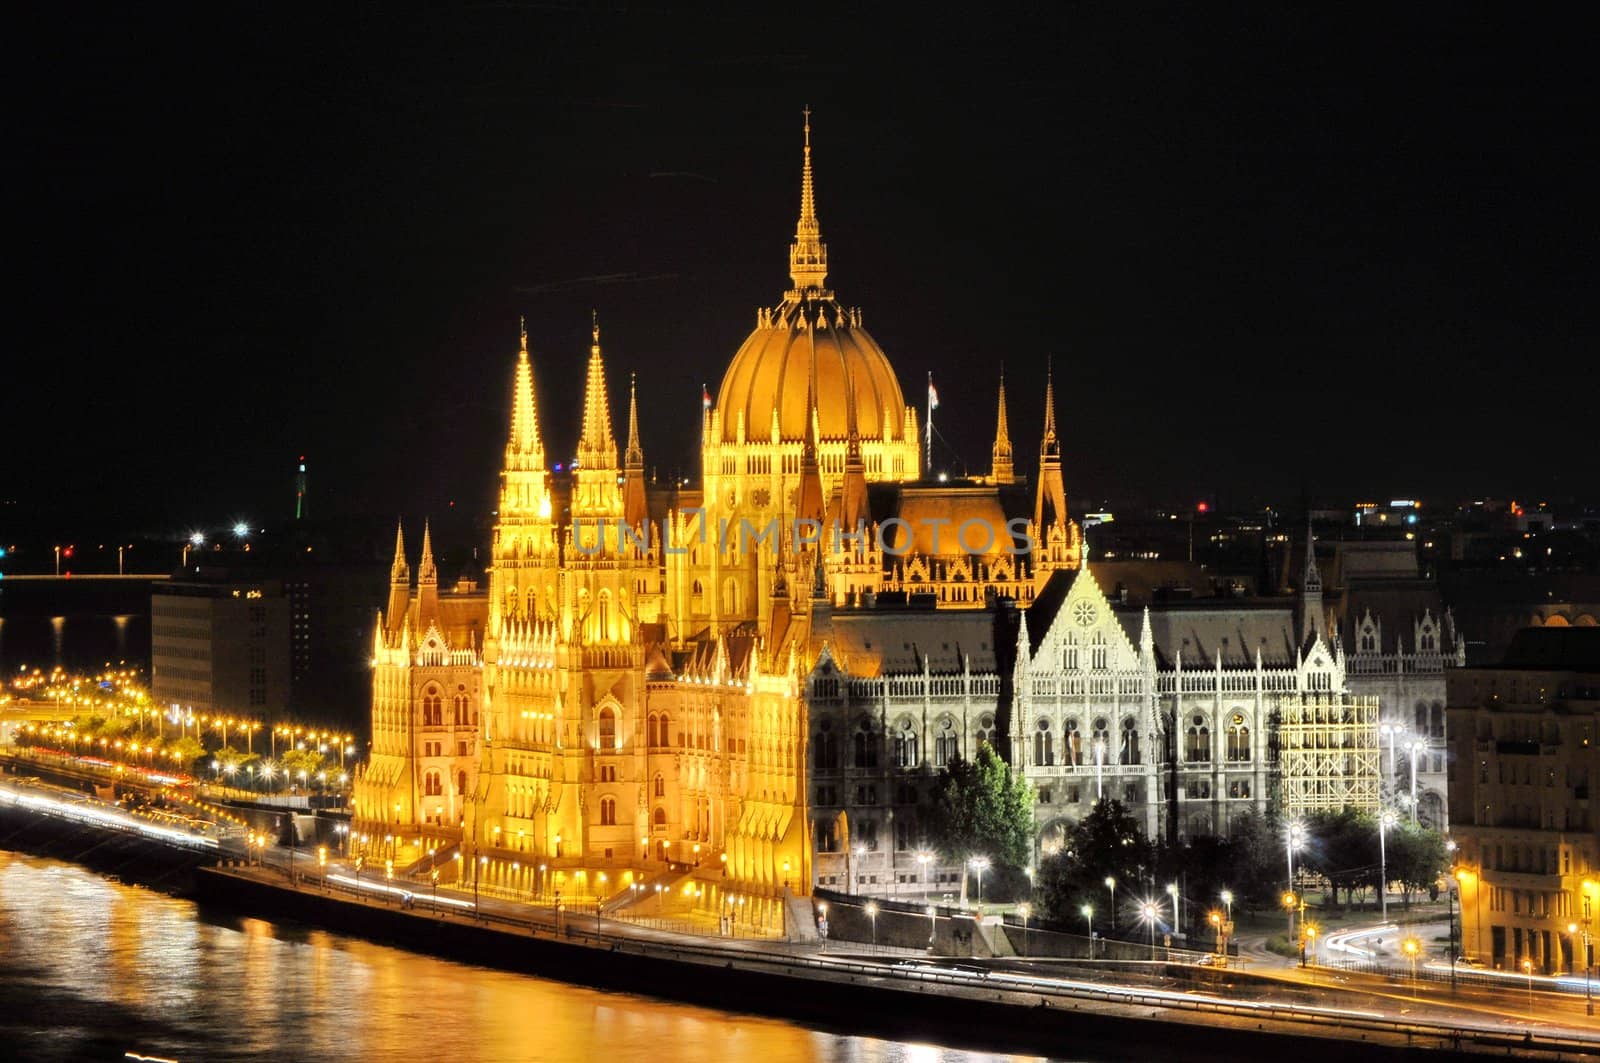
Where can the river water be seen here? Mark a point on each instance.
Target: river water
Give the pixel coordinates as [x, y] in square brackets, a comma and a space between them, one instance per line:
[91, 968]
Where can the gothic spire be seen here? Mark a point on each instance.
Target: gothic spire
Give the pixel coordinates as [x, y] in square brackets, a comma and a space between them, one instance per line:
[426, 572]
[1050, 497]
[635, 453]
[524, 448]
[1312, 583]
[808, 255]
[597, 449]
[853, 487]
[809, 505]
[400, 572]
[1049, 442]
[1002, 468]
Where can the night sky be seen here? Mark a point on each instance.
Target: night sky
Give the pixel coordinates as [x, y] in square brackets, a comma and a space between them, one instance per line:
[1345, 252]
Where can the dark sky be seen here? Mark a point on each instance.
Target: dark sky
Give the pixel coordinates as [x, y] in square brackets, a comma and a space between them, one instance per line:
[1345, 251]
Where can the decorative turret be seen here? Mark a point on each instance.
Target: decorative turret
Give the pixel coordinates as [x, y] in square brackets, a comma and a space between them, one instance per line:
[809, 504]
[808, 255]
[399, 582]
[597, 449]
[1002, 468]
[634, 509]
[524, 448]
[427, 581]
[853, 487]
[1050, 504]
[1311, 617]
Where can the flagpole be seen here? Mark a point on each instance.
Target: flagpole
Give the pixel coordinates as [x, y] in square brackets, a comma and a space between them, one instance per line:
[928, 462]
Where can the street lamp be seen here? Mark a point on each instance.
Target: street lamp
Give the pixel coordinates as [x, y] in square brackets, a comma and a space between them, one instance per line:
[1088, 925]
[1111, 884]
[1411, 946]
[1527, 969]
[1150, 914]
[1227, 901]
[923, 859]
[1294, 839]
[1415, 748]
[1391, 731]
[1177, 907]
[933, 925]
[872, 914]
[860, 852]
[483, 862]
[980, 864]
[1386, 820]
[1026, 911]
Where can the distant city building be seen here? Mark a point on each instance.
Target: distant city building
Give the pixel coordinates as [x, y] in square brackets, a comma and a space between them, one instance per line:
[1525, 755]
[221, 646]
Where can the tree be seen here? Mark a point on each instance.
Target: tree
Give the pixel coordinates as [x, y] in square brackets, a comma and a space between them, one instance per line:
[1107, 843]
[1343, 848]
[1417, 857]
[302, 762]
[187, 750]
[981, 808]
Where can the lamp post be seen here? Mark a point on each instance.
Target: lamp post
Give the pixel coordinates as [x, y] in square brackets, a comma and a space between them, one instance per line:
[923, 858]
[1227, 902]
[1150, 912]
[1527, 969]
[860, 853]
[1411, 946]
[1177, 907]
[1294, 838]
[1391, 731]
[1111, 884]
[1386, 819]
[483, 862]
[980, 864]
[1414, 748]
[1026, 911]
[1088, 926]
[933, 925]
[1099, 769]
[872, 914]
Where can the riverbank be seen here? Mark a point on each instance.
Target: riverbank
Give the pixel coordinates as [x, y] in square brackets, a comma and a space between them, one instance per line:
[836, 992]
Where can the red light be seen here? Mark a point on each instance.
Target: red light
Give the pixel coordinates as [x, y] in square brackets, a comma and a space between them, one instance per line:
[1202, 507]
[67, 552]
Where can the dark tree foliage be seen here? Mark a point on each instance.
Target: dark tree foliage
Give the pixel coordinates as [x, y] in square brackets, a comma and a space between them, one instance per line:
[1417, 857]
[981, 808]
[1342, 847]
[1107, 843]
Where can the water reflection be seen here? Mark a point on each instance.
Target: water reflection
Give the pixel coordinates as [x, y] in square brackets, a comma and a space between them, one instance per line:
[90, 968]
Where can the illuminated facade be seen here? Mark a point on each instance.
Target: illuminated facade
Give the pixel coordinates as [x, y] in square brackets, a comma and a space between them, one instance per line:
[744, 694]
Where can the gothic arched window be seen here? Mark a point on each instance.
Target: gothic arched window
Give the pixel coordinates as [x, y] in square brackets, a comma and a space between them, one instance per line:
[905, 744]
[661, 786]
[1197, 746]
[1071, 743]
[608, 729]
[1238, 738]
[946, 744]
[1044, 750]
[1129, 753]
[432, 708]
[608, 811]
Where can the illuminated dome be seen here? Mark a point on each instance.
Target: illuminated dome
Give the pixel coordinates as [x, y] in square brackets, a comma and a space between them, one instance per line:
[810, 335]
[772, 372]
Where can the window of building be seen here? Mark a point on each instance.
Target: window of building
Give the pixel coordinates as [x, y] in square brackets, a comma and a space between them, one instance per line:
[986, 729]
[432, 708]
[608, 811]
[1071, 743]
[1238, 739]
[825, 748]
[946, 745]
[463, 711]
[1197, 744]
[1239, 788]
[905, 744]
[432, 785]
[1129, 753]
[608, 729]
[866, 746]
[660, 786]
[1044, 750]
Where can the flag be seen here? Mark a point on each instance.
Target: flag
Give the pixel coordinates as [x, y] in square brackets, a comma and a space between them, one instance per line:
[933, 396]
[705, 397]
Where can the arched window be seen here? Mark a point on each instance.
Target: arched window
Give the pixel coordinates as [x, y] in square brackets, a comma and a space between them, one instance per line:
[1097, 653]
[661, 786]
[946, 745]
[1238, 738]
[1100, 745]
[1421, 714]
[608, 811]
[432, 785]
[660, 819]
[1197, 745]
[432, 708]
[602, 624]
[1071, 743]
[608, 729]
[905, 744]
[866, 746]
[1436, 720]
[825, 749]
[1129, 753]
[1044, 750]
[1069, 657]
[463, 712]
[461, 782]
[985, 729]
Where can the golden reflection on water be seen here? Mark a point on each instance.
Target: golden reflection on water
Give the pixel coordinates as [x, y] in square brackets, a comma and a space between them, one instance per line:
[84, 957]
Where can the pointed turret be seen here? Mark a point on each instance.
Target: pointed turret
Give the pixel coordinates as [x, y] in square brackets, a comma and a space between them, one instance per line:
[597, 449]
[1002, 468]
[427, 581]
[808, 255]
[1050, 502]
[634, 508]
[853, 486]
[809, 505]
[399, 583]
[524, 448]
[1311, 617]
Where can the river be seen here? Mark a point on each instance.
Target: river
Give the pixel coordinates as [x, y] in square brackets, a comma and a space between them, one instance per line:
[91, 968]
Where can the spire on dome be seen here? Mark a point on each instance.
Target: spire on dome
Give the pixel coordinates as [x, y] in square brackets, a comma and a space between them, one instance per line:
[597, 449]
[808, 255]
[524, 448]
[1002, 469]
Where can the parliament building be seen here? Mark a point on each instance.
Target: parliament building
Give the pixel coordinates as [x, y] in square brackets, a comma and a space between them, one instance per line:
[746, 693]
